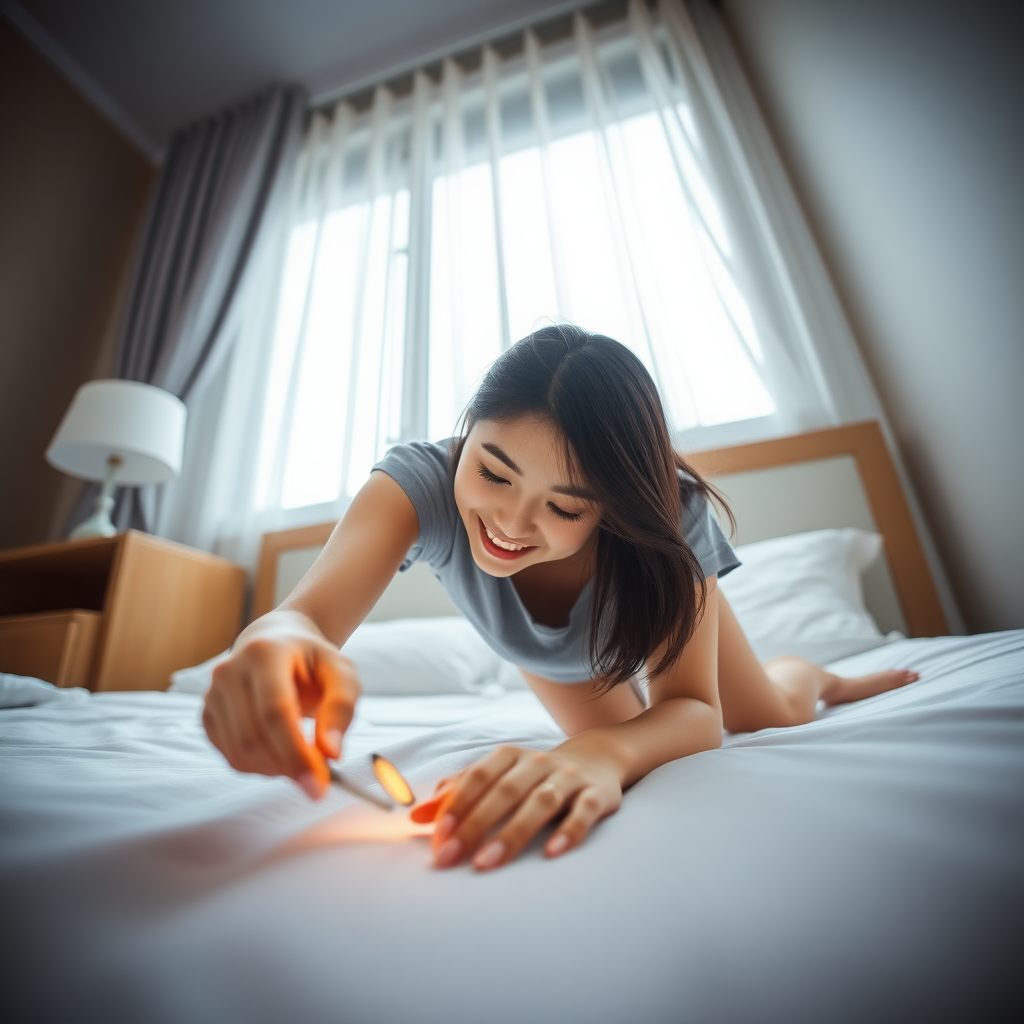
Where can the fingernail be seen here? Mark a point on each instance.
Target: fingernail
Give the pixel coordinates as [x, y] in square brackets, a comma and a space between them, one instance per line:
[558, 845]
[448, 853]
[311, 784]
[334, 741]
[490, 856]
[445, 827]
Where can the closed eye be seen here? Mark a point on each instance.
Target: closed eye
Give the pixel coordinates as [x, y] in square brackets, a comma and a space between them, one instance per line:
[491, 477]
[572, 517]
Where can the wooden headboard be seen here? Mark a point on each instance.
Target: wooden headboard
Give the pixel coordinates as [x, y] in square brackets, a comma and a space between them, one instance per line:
[864, 445]
[274, 545]
[843, 476]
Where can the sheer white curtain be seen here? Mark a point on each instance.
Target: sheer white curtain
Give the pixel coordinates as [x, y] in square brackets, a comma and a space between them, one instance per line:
[618, 177]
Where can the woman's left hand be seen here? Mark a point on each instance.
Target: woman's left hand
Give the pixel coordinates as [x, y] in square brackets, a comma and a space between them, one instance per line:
[521, 791]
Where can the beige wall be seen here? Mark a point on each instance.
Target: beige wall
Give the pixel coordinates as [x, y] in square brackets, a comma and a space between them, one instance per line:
[901, 123]
[72, 192]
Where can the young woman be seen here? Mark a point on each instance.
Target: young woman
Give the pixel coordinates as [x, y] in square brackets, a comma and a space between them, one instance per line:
[584, 550]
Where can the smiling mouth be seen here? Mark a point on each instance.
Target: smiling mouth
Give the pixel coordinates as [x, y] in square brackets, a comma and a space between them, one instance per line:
[502, 548]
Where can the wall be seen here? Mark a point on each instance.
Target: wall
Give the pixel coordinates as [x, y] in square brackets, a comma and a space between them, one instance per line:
[902, 124]
[72, 193]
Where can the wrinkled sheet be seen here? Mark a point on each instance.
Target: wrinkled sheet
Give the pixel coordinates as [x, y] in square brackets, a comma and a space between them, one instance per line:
[866, 866]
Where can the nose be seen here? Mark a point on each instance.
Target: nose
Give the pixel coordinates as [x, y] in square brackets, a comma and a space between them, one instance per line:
[515, 521]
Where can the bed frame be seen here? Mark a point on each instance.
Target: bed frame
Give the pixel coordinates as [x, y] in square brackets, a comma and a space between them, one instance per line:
[842, 476]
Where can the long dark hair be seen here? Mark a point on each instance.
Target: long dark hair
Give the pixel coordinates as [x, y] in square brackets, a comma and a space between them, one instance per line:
[649, 588]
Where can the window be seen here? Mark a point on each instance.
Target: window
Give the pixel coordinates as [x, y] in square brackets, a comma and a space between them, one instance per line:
[429, 231]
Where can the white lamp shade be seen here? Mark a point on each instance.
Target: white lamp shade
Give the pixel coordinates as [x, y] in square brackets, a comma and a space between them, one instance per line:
[141, 424]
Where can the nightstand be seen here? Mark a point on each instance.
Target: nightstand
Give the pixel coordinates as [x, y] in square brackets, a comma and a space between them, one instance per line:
[115, 613]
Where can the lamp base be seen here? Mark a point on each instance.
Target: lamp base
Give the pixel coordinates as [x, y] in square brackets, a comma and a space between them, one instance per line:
[99, 524]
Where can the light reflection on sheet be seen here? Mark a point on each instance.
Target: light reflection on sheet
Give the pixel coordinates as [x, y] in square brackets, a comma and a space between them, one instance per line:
[358, 823]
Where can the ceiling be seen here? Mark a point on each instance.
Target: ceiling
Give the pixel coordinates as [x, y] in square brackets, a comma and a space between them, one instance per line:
[154, 65]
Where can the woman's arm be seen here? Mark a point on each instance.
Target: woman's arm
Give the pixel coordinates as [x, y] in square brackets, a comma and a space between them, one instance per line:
[287, 664]
[577, 707]
[357, 563]
[684, 716]
[586, 774]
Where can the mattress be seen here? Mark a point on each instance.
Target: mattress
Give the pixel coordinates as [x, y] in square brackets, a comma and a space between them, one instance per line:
[866, 866]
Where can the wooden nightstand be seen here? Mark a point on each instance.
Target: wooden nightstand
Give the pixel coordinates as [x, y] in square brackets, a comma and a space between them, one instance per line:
[115, 613]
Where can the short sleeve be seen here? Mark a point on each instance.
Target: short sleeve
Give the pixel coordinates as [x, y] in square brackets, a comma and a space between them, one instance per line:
[420, 468]
[702, 532]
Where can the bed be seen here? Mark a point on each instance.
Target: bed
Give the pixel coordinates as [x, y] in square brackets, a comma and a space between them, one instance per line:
[866, 866]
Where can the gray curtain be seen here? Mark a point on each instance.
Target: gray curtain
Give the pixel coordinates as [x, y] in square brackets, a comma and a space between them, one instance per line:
[217, 181]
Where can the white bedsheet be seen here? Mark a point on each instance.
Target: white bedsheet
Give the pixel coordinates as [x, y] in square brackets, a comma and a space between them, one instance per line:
[867, 866]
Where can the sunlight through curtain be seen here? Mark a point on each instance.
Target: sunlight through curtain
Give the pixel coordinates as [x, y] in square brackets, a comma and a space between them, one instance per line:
[615, 174]
[567, 181]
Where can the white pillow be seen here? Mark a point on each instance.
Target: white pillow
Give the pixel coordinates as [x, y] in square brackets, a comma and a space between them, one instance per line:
[404, 658]
[412, 657]
[793, 595]
[802, 594]
[196, 678]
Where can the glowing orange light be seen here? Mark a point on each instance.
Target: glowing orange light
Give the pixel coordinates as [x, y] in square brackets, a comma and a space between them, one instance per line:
[426, 813]
[391, 781]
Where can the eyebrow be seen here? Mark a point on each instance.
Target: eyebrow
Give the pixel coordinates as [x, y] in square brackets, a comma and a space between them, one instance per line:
[575, 492]
[501, 457]
[572, 492]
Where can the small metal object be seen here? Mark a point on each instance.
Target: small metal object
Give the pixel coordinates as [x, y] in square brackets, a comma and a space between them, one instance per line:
[391, 781]
[364, 794]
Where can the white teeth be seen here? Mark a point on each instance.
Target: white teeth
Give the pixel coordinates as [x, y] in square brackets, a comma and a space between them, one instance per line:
[502, 543]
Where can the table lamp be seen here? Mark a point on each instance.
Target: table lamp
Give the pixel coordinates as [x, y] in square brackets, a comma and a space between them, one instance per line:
[120, 432]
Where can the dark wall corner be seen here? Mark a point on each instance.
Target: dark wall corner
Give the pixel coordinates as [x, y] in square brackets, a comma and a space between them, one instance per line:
[72, 196]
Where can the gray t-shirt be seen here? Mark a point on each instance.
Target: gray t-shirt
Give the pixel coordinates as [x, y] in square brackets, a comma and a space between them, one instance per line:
[492, 604]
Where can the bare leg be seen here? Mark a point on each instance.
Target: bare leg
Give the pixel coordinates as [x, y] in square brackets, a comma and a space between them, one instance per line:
[786, 690]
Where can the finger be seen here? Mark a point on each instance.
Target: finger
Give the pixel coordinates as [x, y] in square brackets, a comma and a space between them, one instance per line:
[445, 784]
[276, 710]
[588, 808]
[214, 711]
[468, 786]
[211, 723]
[337, 705]
[252, 751]
[426, 812]
[477, 779]
[543, 804]
[506, 793]
[221, 724]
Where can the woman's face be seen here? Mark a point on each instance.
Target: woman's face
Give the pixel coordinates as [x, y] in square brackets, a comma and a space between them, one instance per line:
[516, 499]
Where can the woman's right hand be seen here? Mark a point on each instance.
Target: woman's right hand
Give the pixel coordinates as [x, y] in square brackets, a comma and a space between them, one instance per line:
[284, 670]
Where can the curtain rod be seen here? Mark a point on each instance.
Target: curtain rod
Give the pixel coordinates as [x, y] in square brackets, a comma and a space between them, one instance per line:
[508, 42]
